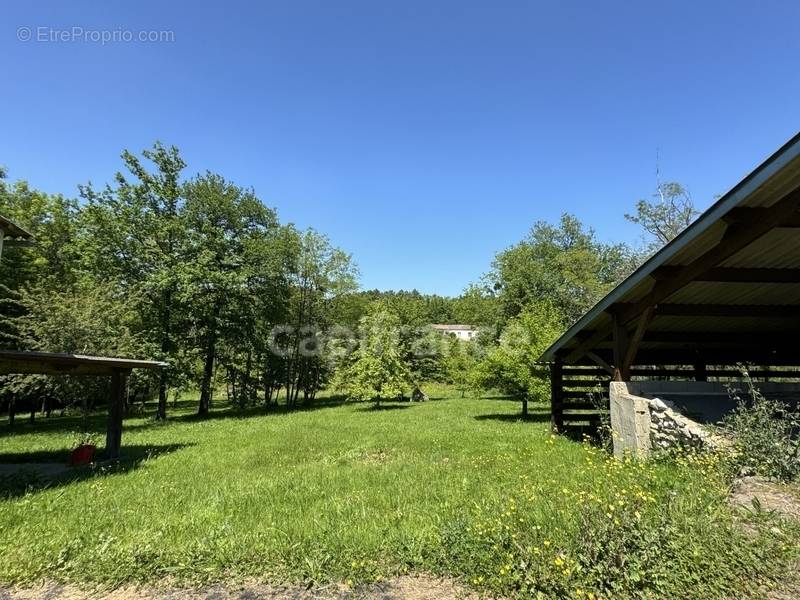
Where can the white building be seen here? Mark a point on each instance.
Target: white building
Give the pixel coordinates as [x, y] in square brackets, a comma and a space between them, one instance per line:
[462, 332]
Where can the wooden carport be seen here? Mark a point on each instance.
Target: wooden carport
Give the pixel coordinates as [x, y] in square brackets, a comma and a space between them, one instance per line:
[48, 363]
[725, 291]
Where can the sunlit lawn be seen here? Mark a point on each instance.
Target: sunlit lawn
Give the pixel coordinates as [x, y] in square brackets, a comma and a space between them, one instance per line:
[337, 492]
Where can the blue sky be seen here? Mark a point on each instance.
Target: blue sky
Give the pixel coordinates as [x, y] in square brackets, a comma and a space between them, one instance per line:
[421, 136]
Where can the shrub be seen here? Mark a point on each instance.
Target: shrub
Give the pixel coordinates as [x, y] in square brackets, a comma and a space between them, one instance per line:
[510, 366]
[765, 435]
[376, 370]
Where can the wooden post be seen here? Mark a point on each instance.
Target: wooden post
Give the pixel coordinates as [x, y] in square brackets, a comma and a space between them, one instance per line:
[115, 405]
[634, 341]
[619, 340]
[700, 373]
[556, 396]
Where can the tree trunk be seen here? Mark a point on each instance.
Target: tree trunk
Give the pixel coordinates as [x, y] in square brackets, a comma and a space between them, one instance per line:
[208, 370]
[166, 330]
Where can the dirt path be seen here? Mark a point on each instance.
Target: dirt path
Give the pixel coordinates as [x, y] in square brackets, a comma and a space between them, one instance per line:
[401, 588]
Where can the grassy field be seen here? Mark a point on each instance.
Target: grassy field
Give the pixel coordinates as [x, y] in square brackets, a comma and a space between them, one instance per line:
[344, 492]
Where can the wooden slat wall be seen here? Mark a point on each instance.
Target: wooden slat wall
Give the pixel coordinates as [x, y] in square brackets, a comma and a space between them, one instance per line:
[579, 394]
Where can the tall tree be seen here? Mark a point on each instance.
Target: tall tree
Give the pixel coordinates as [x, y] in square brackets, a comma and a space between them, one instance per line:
[510, 366]
[376, 370]
[134, 237]
[564, 265]
[224, 225]
[321, 274]
[52, 221]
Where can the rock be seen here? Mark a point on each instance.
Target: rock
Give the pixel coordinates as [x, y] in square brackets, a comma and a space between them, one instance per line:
[658, 404]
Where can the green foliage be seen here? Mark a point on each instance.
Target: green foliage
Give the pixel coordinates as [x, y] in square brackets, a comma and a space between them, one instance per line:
[765, 435]
[134, 236]
[80, 320]
[563, 265]
[227, 267]
[460, 362]
[376, 370]
[475, 306]
[51, 262]
[641, 531]
[511, 365]
[201, 269]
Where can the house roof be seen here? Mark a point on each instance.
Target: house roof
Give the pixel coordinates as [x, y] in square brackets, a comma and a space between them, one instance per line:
[726, 289]
[448, 327]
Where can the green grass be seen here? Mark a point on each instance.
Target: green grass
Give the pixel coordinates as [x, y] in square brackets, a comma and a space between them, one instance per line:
[343, 492]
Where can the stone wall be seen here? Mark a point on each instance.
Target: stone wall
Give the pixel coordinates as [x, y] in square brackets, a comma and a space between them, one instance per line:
[670, 428]
[651, 415]
[643, 422]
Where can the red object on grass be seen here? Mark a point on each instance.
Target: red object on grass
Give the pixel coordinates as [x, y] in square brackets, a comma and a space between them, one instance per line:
[82, 455]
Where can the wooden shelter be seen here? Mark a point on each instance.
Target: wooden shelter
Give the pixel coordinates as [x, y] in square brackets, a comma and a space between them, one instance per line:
[49, 363]
[725, 291]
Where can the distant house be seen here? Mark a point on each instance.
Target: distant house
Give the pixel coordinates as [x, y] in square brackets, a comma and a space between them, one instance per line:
[462, 332]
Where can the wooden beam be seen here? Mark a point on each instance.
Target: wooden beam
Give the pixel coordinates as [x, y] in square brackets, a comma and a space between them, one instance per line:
[44, 368]
[727, 310]
[686, 354]
[556, 398]
[54, 363]
[747, 214]
[589, 343]
[620, 341]
[733, 339]
[700, 371]
[600, 362]
[635, 340]
[736, 237]
[734, 274]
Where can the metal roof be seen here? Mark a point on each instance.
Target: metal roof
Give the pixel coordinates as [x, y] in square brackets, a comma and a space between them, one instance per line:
[697, 290]
[12, 230]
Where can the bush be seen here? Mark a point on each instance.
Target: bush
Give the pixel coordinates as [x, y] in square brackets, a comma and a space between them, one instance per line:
[765, 435]
[511, 365]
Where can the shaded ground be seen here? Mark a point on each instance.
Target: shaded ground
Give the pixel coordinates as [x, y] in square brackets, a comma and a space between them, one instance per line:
[400, 588]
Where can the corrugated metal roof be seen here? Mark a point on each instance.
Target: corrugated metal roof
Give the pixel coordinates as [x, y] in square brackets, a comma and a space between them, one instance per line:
[779, 248]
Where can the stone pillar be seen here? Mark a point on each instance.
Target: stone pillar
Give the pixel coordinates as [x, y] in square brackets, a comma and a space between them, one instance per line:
[630, 421]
